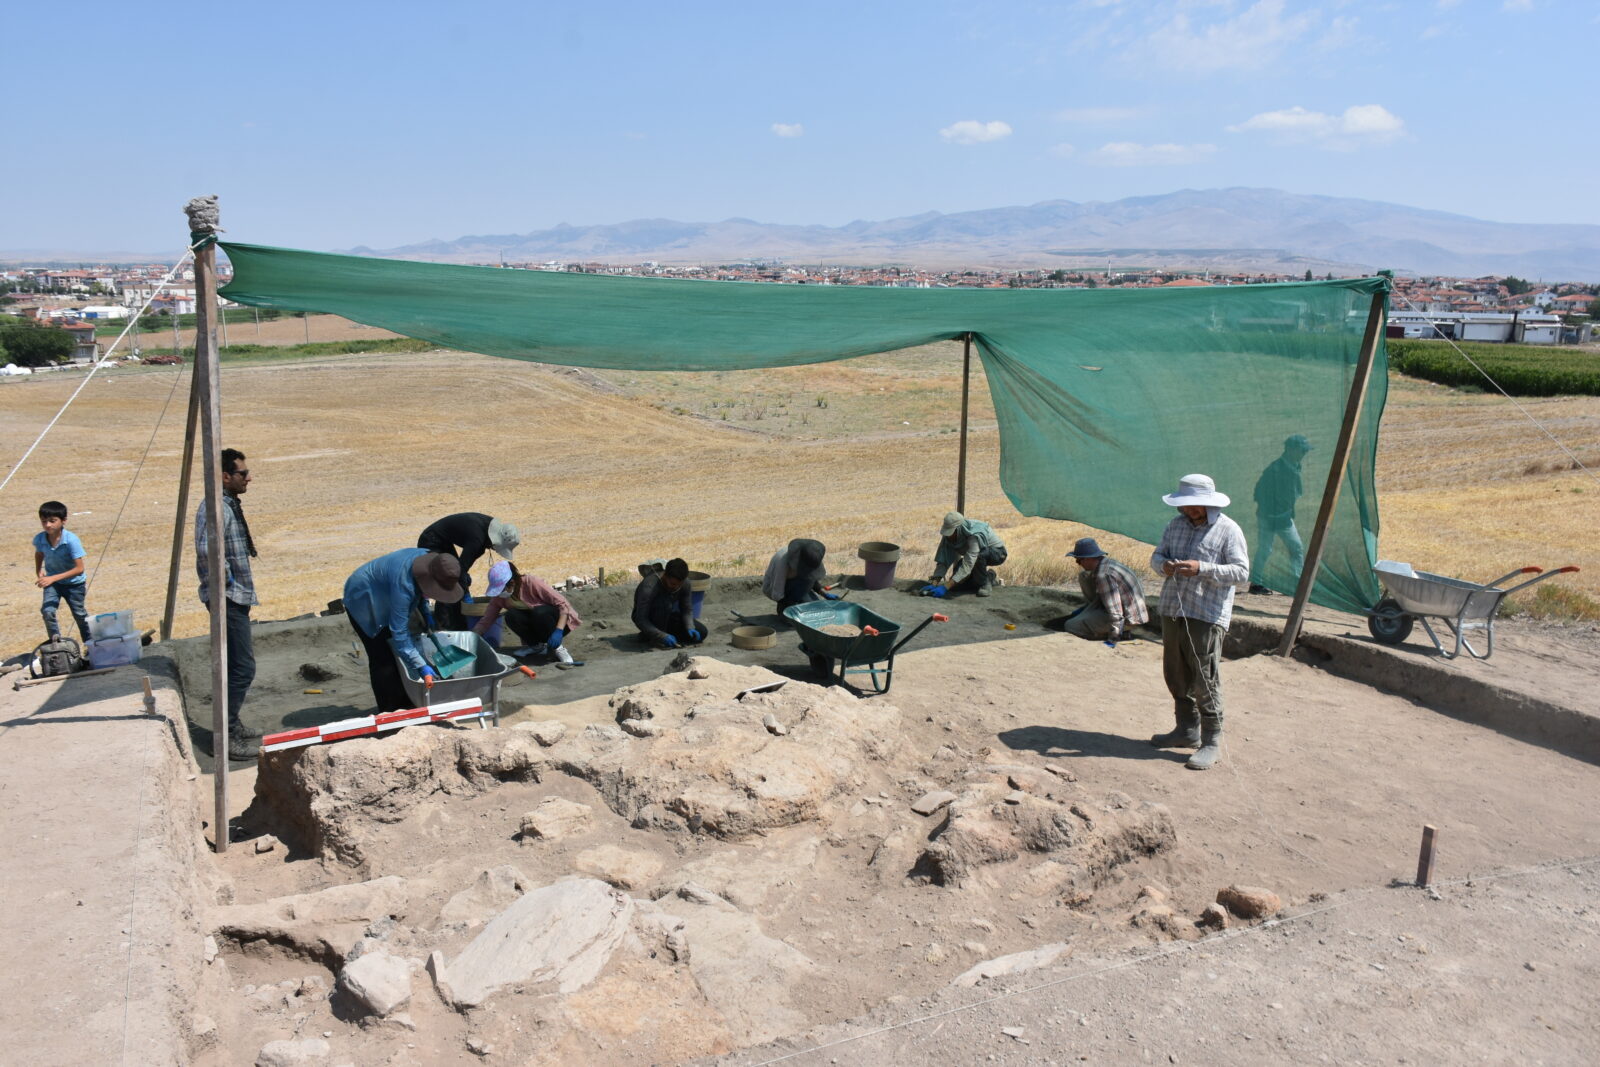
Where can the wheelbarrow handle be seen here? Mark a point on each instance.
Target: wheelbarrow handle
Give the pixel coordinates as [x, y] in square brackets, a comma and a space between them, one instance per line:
[935, 617]
[1540, 578]
[1513, 574]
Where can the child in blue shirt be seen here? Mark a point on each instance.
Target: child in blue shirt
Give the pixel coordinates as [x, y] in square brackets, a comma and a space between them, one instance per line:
[58, 565]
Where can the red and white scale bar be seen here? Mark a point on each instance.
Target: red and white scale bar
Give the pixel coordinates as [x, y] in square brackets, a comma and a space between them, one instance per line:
[458, 710]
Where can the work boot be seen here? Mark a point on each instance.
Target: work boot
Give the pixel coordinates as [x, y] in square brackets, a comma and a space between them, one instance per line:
[1186, 734]
[986, 586]
[237, 728]
[241, 749]
[1210, 750]
[1257, 589]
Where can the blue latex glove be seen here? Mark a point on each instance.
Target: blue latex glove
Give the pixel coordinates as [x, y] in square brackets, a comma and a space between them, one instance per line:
[466, 598]
[669, 640]
[938, 591]
[1110, 644]
[553, 642]
[830, 596]
[429, 672]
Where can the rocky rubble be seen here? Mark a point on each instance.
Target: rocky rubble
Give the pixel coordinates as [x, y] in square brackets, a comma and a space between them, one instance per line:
[710, 860]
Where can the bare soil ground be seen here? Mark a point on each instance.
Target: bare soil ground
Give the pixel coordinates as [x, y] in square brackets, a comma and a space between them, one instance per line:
[1324, 787]
[1324, 784]
[352, 456]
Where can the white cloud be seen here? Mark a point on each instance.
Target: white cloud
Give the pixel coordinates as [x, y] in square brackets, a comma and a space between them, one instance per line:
[1063, 150]
[1253, 38]
[1099, 114]
[970, 131]
[786, 129]
[1362, 124]
[1130, 154]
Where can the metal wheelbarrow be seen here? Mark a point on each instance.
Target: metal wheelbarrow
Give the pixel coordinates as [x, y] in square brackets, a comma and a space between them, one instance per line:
[835, 656]
[1415, 596]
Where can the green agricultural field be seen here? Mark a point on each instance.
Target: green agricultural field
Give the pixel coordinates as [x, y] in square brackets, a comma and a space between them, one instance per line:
[1522, 370]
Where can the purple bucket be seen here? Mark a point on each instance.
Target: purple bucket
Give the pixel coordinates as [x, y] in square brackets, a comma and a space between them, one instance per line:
[880, 557]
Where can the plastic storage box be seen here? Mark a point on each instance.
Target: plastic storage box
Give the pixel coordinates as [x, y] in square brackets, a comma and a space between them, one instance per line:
[114, 651]
[110, 624]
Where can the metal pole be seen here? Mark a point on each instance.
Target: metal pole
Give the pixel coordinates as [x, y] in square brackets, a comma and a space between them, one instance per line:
[1336, 469]
[179, 522]
[966, 389]
[203, 228]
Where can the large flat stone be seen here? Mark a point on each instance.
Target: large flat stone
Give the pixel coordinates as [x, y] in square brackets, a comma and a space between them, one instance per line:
[562, 933]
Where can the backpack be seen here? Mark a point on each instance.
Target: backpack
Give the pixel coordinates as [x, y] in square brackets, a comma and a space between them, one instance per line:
[56, 657]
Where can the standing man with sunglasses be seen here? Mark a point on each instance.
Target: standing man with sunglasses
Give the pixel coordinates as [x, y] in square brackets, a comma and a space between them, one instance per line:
[238, 548]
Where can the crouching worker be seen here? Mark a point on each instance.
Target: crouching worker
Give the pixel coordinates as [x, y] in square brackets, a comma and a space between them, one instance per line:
[970, 547]
[380, 597]
[795, 574]
[663, 607]
[1113, 596]
[536, 613]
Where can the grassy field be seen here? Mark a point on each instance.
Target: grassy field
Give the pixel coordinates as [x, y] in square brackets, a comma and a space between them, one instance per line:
[1522, 370]
[353, 455]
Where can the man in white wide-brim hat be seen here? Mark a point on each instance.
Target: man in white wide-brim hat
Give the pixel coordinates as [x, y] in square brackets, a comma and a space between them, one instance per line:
[1204, 556]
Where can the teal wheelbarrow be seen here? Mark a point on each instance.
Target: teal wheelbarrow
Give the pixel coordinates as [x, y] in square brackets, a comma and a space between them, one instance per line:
[869, 650]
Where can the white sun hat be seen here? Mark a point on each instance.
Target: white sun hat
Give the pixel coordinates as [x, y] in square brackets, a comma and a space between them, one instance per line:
[1196, 490]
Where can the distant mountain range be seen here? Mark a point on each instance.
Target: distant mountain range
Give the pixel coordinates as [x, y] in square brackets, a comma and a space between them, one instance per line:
[1217, 229]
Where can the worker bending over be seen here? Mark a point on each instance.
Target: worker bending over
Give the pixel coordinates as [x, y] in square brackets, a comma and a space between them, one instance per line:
[971, 547]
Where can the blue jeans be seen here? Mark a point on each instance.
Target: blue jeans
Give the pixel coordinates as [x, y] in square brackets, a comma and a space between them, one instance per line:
[241, 658]
[73, 594]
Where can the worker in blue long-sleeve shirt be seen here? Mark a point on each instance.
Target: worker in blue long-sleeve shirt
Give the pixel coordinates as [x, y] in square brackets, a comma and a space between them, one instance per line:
[380, 597]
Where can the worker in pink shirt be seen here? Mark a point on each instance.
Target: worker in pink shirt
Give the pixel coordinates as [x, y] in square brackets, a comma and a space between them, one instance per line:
[536, 613]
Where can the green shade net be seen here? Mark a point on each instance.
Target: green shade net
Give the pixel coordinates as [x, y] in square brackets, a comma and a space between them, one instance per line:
[1105, 397]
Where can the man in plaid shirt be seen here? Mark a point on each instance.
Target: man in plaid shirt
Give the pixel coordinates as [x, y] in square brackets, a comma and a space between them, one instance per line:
[240, 590]
[1203, 555]
[1113, 596]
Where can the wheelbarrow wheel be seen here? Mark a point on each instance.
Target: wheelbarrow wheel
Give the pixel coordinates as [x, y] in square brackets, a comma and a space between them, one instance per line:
[1388, 623]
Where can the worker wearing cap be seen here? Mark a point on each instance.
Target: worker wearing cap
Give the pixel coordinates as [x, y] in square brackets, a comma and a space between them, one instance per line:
[795, 574]
[467, 535]
[1113, 596]
[1277, 491]
[967, 548]
[380, 597]
[1203, 555]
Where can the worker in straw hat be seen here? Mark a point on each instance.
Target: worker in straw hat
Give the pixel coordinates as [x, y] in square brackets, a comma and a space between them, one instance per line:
[1203, 556]
[967, 548]
[380, 597]
[1113, 596]
[467, 535]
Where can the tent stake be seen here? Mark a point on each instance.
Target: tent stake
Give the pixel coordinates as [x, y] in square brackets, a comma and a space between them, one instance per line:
[1336, 469]
[203, 228]
[966, 387]
[180, 521]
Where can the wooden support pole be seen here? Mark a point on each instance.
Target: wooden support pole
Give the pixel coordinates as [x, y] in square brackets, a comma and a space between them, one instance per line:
[1336, 469]
[966, 388]
[203, 229]
[1430, 837]
[180, 523]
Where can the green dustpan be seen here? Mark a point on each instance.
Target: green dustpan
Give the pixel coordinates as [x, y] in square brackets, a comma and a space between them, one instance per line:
[448, 659]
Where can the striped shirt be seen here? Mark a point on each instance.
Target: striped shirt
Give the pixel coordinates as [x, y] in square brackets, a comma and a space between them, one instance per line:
[1118, 591]
[1218, 545]
[239, 583]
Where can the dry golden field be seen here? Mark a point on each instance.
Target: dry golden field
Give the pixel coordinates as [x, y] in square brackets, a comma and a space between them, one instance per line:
[353, 455]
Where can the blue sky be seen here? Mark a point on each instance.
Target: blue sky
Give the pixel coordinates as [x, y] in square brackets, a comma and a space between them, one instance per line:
[338, 124]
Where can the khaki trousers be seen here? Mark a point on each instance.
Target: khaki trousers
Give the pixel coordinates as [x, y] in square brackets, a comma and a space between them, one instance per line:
[1191, 662]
